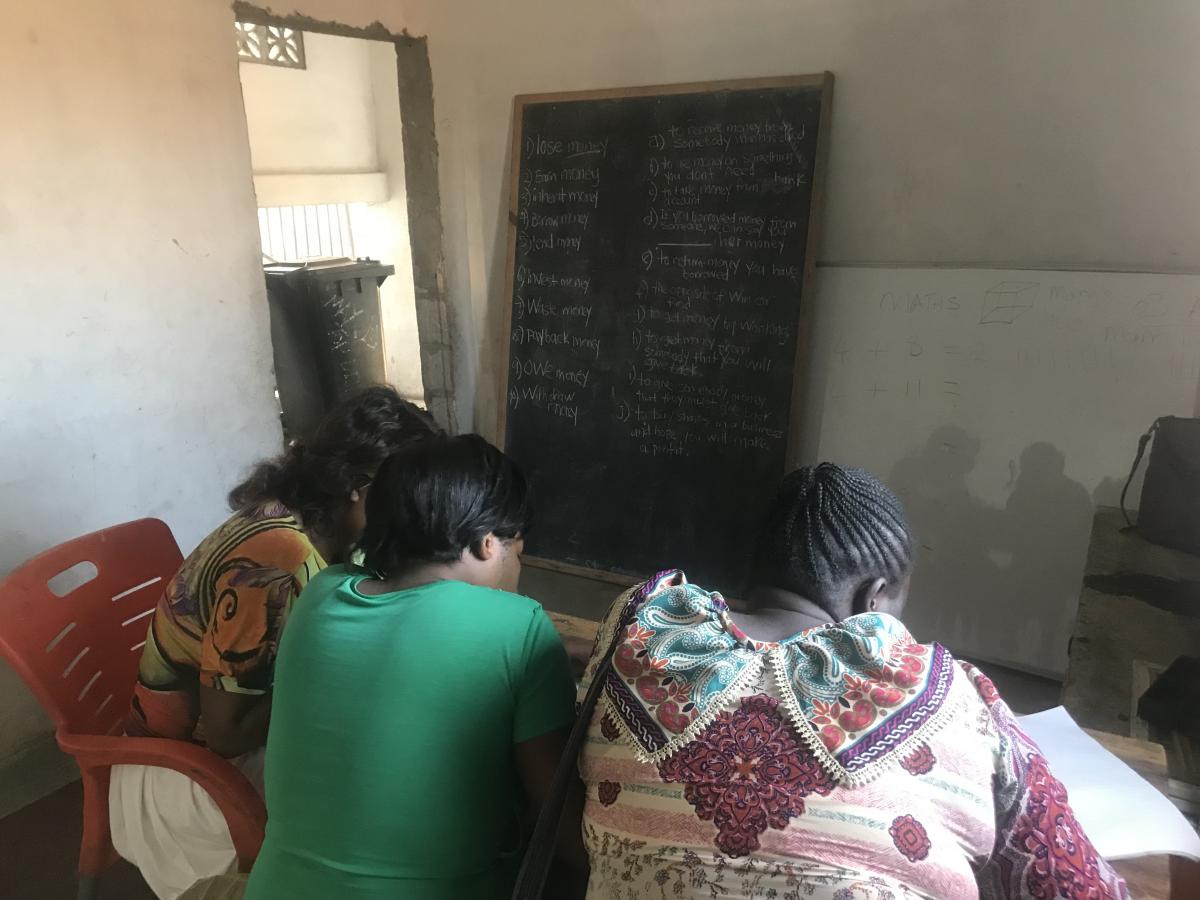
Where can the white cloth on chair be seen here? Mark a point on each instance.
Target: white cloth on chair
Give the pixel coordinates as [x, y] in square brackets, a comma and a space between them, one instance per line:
[170, 828]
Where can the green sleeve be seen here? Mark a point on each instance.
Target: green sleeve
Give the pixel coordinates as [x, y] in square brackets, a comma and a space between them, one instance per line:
[545, 695]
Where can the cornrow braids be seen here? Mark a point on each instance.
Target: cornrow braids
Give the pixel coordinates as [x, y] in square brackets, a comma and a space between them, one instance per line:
[828, 525]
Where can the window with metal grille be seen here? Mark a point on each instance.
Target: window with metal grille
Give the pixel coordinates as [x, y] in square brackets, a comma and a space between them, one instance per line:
[270, 45]
[297, 233]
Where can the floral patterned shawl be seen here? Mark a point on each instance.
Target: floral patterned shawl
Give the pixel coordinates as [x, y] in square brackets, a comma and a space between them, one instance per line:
[847, 762]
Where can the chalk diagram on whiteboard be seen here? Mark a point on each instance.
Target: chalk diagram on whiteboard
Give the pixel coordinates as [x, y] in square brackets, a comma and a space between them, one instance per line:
[1005, 301]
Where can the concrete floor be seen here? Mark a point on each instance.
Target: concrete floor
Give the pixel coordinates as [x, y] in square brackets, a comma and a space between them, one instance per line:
[39, 853]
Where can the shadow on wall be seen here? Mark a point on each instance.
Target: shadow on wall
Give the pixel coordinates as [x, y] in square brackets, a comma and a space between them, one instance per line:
[1004, 578]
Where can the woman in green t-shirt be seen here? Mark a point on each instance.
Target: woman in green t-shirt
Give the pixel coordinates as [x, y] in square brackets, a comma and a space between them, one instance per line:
[420, 706]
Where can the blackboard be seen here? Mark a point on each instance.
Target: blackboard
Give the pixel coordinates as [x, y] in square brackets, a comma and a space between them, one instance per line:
[661, 248]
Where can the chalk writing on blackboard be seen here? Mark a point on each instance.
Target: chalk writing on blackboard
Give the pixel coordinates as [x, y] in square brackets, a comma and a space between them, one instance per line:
[659, 253]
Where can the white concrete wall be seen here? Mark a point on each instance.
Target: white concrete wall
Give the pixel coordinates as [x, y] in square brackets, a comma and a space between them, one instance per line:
[135, 349]
[386, 230]
[1012, 134]
[317, 119]
[309, 129]
[135, 360]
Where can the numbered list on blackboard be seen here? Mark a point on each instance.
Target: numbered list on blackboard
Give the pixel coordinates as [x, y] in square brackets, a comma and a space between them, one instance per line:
[658, 267]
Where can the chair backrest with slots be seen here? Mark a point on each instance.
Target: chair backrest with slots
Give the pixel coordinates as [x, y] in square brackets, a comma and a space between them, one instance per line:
[73, 620]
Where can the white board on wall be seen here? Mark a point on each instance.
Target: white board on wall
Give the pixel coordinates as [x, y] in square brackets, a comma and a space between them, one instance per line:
[1001, 406]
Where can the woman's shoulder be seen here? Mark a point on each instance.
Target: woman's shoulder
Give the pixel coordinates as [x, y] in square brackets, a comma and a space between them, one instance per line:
[672, 657]
[331, 578]
[861, 694]
[874, 695]
[268, 534]
[251, 545]
[666, 602]
[621, 618]
[489, 605]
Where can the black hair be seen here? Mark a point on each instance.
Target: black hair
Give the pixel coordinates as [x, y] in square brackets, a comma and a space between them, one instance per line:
[315, 477]
[828, 527]
[433, 500]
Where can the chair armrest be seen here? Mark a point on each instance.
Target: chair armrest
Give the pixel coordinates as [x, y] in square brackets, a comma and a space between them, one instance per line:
[240, 804]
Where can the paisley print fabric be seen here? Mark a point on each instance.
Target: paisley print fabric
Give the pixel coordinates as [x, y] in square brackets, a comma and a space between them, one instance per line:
[857, 694]
[847, 762]
[746, 772]
[1040, 849]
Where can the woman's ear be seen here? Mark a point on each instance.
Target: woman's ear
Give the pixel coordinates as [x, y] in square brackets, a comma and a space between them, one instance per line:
[358, 494]
[869, 595]
[486, 548]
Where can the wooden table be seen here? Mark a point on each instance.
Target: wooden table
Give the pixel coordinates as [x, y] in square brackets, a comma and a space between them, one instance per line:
[1139, 605]
[577, 635]
[1149, 877]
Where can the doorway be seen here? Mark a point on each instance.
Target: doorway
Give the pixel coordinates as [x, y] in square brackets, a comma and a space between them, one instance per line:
[340, 172]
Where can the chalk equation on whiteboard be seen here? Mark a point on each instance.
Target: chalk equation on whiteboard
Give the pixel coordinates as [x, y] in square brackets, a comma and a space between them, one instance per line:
[1004, 302]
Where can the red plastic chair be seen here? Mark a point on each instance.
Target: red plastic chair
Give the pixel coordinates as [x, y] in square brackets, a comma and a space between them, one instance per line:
[79, 654]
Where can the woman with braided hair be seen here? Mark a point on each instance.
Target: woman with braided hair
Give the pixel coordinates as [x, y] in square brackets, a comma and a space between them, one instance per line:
[809, 746]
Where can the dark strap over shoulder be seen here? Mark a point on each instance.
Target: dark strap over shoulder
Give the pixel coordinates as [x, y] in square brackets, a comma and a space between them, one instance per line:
[1137, 460]
[540, 853]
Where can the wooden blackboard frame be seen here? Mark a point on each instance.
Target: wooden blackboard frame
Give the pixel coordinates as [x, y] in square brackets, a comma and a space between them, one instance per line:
[823, 81]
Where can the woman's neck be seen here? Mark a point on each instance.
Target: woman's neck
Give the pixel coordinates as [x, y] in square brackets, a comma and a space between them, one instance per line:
[328, 546]
[777, 614]
[324, 546]
[426, 573]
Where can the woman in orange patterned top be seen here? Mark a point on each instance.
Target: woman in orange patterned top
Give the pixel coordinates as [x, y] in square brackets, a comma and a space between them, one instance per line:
[207, 668]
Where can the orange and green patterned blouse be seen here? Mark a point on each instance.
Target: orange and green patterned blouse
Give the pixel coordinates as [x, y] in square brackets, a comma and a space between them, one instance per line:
[219, 620]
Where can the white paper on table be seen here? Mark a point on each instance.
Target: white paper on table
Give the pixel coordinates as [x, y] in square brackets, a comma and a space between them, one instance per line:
[1122, 813]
